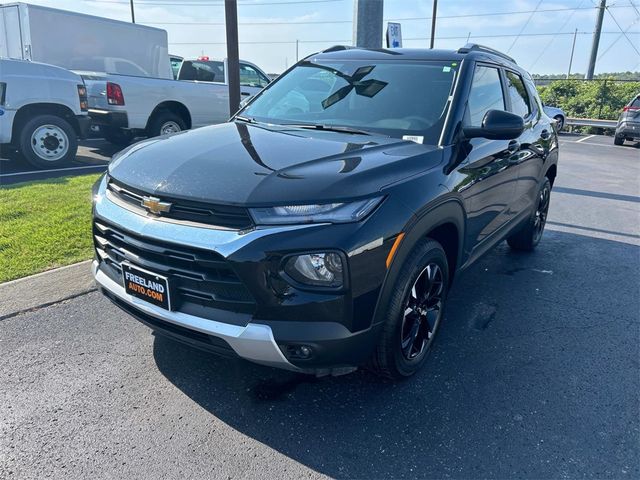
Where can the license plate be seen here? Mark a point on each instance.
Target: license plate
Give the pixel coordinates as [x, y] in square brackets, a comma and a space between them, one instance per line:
[146, 285]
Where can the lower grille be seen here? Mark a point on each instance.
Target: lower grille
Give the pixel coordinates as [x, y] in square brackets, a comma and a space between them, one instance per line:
[201, 281]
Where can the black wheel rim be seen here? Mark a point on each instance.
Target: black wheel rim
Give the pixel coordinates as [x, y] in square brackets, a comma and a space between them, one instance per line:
[541, 213]
[422, 312]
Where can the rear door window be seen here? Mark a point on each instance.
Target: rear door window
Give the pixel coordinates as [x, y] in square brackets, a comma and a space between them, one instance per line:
[250, 77]
[486, 94]
[520, 103]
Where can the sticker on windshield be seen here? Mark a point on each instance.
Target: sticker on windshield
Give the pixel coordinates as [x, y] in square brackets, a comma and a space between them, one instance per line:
[413, 138]
[446, 69]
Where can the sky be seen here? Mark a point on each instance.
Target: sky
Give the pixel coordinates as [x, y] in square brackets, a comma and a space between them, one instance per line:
[268, 29]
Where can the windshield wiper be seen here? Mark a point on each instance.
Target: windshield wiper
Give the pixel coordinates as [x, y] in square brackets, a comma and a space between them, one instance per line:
[245, 119]
[328, 128]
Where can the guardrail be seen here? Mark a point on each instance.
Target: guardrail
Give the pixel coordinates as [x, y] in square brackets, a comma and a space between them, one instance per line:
[591, 122]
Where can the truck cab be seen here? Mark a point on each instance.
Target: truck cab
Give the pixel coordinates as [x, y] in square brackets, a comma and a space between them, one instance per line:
[44, 111]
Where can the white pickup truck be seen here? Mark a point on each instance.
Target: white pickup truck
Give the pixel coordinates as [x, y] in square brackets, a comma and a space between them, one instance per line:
[128, 106]
[43, 111]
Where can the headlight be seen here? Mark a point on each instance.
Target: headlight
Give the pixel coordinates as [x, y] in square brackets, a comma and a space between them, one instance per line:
[316, 269]
[319, 213]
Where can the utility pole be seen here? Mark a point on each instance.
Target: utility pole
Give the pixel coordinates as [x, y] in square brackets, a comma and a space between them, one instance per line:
[367, 23]
[596, 39]
[573, 49]
[233, 55]
[133, 13]
[433, 23]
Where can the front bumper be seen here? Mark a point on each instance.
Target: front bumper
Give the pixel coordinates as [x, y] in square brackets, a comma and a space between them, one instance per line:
[253, 342]
[336, 325]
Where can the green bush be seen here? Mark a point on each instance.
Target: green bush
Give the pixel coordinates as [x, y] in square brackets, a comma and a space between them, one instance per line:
[589, 99]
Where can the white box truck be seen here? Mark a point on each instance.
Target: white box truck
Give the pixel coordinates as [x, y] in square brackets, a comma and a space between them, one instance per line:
[127, 71]
[82, 42]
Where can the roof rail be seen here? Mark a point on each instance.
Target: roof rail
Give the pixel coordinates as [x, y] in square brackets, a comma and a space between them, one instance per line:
[337, 48]
[474, 47]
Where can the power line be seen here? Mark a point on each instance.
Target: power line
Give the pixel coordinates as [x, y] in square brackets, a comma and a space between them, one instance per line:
[544, 50]
[213, 4]
[617, 39]
[623, 32]
[324, 22]
[333, 42]
[524, 26]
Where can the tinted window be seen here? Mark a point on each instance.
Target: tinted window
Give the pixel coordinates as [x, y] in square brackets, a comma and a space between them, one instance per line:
[250, 77]
[518, 95]
[202, 71]
[635, 103]
[395, 98]
[485, 95]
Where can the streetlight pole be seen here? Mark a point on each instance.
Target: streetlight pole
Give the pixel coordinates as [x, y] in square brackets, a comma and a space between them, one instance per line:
[433, 23]
[133, 13]
[233, 55]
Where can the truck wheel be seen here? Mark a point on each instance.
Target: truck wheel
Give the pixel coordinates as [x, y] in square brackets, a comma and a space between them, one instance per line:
[48, 141]
[414, 312]
[559, 122]
[618, 140]
[529, 235]
[118, 136]
[165, 123]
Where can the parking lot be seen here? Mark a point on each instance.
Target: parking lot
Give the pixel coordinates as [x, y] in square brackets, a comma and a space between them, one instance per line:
[534, 375]
[93, 156]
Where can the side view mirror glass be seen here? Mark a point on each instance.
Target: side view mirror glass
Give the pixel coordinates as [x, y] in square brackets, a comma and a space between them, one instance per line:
[497, 125]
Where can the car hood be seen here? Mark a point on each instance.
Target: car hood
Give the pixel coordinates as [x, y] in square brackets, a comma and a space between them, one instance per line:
[246, 164]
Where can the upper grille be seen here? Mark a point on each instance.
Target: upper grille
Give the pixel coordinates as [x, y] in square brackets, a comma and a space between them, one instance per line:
[199, 279]
[225, 216]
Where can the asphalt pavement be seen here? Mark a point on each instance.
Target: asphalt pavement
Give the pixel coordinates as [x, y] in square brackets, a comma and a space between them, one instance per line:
[93, 157]
[534, 375]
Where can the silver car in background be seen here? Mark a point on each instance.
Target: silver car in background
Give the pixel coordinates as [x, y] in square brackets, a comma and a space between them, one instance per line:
[557, 114]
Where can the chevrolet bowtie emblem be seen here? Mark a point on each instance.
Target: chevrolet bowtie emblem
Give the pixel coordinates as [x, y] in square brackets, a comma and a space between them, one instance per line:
[154, 205]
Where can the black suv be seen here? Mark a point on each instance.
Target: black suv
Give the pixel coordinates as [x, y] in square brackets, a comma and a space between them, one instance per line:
[321, 228]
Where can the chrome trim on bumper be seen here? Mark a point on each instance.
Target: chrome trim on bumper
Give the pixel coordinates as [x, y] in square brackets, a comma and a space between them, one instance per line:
[254, 342]
[224, 242]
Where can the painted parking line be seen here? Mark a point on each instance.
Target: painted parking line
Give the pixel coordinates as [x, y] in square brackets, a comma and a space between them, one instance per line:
[584, 138]
[31, 172]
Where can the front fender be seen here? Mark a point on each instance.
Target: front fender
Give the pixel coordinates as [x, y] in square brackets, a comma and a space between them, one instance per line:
[448, 210]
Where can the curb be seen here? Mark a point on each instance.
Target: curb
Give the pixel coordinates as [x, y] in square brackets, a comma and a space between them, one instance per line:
[46, 288]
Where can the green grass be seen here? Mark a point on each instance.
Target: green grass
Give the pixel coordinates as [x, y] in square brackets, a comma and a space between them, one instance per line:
[44, 225]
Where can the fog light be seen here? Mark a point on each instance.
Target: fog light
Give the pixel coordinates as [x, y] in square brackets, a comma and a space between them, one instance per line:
[302, 352]
[318, 269]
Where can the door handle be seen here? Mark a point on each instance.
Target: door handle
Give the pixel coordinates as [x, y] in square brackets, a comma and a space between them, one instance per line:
[245, 94]
[513, 146]
[545, 134]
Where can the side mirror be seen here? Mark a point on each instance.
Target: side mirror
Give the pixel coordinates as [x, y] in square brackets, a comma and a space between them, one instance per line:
[497, 125]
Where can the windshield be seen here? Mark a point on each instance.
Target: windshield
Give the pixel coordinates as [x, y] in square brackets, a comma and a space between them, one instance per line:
[393, 98]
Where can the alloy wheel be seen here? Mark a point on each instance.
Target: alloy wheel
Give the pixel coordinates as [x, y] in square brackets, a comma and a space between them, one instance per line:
[541, 213]
[422, 312]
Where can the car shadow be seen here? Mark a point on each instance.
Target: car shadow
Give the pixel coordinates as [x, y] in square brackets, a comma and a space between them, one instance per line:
[534, 375]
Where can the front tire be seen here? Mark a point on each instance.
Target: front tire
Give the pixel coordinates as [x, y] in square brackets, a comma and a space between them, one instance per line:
[414, 312]
[48, 141]
[529, 235]
[618, 140]
[559, 122]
